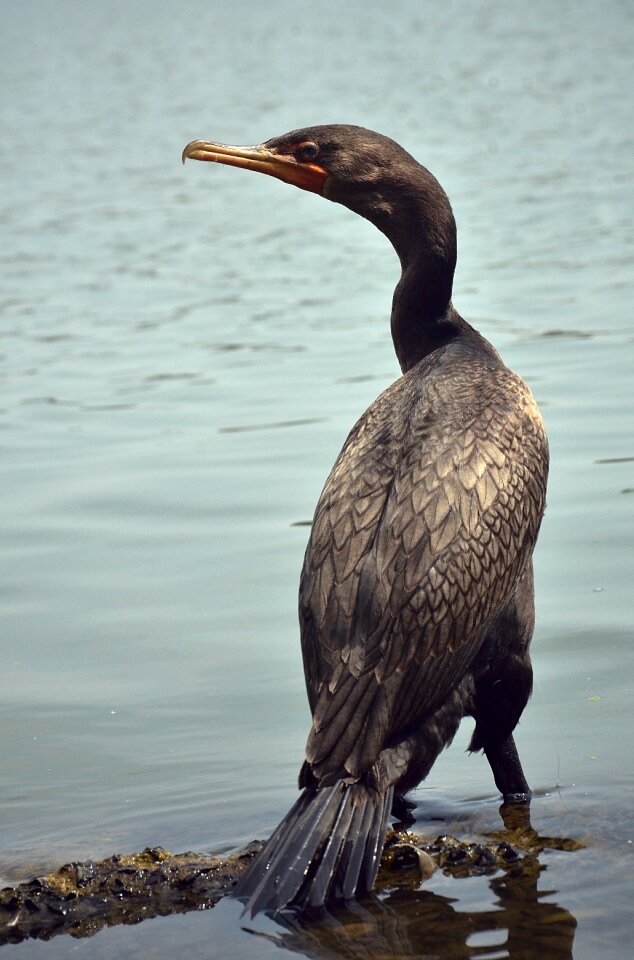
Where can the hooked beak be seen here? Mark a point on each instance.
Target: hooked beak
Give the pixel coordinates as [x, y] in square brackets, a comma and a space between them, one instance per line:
[283, 166]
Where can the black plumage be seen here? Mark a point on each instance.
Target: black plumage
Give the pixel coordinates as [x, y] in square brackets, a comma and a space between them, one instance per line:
[416, 595]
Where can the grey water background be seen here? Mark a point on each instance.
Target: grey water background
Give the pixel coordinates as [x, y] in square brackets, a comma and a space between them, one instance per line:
[183, 352]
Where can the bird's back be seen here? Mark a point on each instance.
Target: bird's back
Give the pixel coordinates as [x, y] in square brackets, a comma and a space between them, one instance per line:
[425, 524]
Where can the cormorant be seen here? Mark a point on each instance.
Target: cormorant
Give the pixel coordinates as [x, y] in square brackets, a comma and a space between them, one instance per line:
[416, 594]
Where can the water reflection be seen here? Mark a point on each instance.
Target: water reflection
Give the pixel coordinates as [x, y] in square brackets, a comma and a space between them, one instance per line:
[522, 920]
[521, 923]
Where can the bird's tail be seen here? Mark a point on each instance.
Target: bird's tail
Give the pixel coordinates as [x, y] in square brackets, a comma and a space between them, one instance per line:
[328, 846]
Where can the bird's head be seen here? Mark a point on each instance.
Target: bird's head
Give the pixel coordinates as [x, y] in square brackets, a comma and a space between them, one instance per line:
[366, 171]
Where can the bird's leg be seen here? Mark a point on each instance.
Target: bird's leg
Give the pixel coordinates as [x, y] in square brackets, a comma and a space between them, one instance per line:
[507, 771]
[502, 689]
[402, 810]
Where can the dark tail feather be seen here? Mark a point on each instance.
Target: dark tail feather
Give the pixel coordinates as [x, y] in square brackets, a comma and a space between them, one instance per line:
[328, 846]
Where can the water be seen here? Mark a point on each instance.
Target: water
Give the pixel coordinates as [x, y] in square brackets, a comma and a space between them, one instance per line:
[183, 352]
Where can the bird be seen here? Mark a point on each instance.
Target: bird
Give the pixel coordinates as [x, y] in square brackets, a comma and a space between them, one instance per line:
[416, 597]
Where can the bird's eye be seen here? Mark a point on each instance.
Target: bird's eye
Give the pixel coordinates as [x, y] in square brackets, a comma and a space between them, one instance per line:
[309, 150]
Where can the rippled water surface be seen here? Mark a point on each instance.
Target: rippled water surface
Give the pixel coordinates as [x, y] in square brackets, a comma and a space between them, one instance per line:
[183, 352]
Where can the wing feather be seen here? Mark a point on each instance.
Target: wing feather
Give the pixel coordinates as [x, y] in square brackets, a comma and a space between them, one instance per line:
[425, 525]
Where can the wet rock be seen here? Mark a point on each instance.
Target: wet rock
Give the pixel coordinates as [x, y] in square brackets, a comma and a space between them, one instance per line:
[82, 898]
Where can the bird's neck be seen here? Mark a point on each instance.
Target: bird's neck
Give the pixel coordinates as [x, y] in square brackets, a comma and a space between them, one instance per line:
[423, 318]
[422, 231]
[410, 207]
